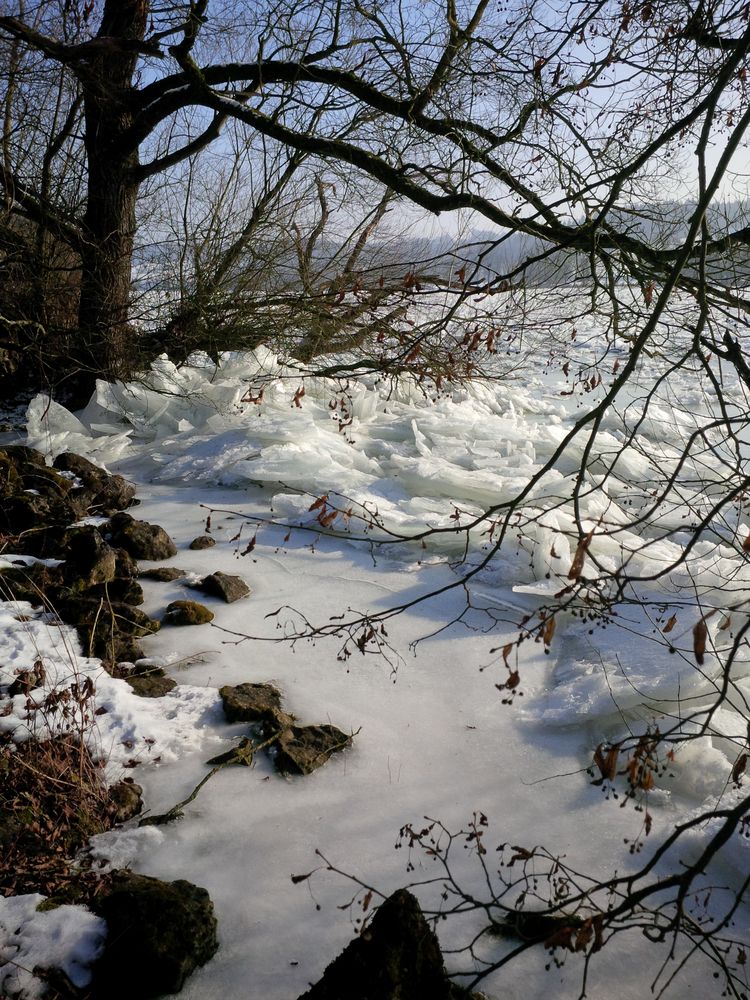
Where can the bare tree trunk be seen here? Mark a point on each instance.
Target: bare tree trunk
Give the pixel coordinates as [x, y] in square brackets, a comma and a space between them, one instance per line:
[106, 346]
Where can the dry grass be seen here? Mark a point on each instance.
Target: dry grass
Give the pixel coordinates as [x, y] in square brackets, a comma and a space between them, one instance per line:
[52, 799]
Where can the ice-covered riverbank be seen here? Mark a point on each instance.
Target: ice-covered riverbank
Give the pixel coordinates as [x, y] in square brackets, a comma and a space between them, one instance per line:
[435, 738]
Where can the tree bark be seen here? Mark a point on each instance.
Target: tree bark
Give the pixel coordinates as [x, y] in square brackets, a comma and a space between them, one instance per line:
[106, 340]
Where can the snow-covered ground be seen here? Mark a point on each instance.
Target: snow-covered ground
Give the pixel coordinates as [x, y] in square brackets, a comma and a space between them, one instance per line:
[434, 737]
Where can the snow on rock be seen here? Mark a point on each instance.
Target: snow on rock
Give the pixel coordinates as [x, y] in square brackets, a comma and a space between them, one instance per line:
[116, 724]
[69, 938]
[122, 846]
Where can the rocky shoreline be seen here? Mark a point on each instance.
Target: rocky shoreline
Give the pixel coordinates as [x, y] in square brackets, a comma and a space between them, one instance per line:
[75, 552]
[86, 575]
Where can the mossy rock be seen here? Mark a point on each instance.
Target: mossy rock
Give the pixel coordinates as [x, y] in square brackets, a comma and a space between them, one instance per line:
[47, 481]
[37, 584]
[121, 590]
[141, 539]
[250, 702]
[115, 615]
[158, 933]
[187, 613]
[101, 492]
[45, 542]
[202, 542]
[163, 574]
[153, 685]
[33, 495]
[109, 630]
[126, 565]
[89, 561]
[26, 511]
[22, 453]
[303, 749]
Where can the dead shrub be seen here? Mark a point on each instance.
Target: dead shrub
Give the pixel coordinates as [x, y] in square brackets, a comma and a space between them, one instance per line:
[52, 799]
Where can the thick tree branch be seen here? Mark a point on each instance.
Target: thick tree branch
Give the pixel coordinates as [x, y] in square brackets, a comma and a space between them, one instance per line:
[706, 35]
[145, 170]
[69, 55]
[34, 208]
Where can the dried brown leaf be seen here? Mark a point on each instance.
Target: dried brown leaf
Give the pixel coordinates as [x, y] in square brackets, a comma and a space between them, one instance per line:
[605, 759]
[700, 634]
[549, 631]
[739, 768]
[327, 519]
[562, 938]
[580, 554]
[670, 624]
